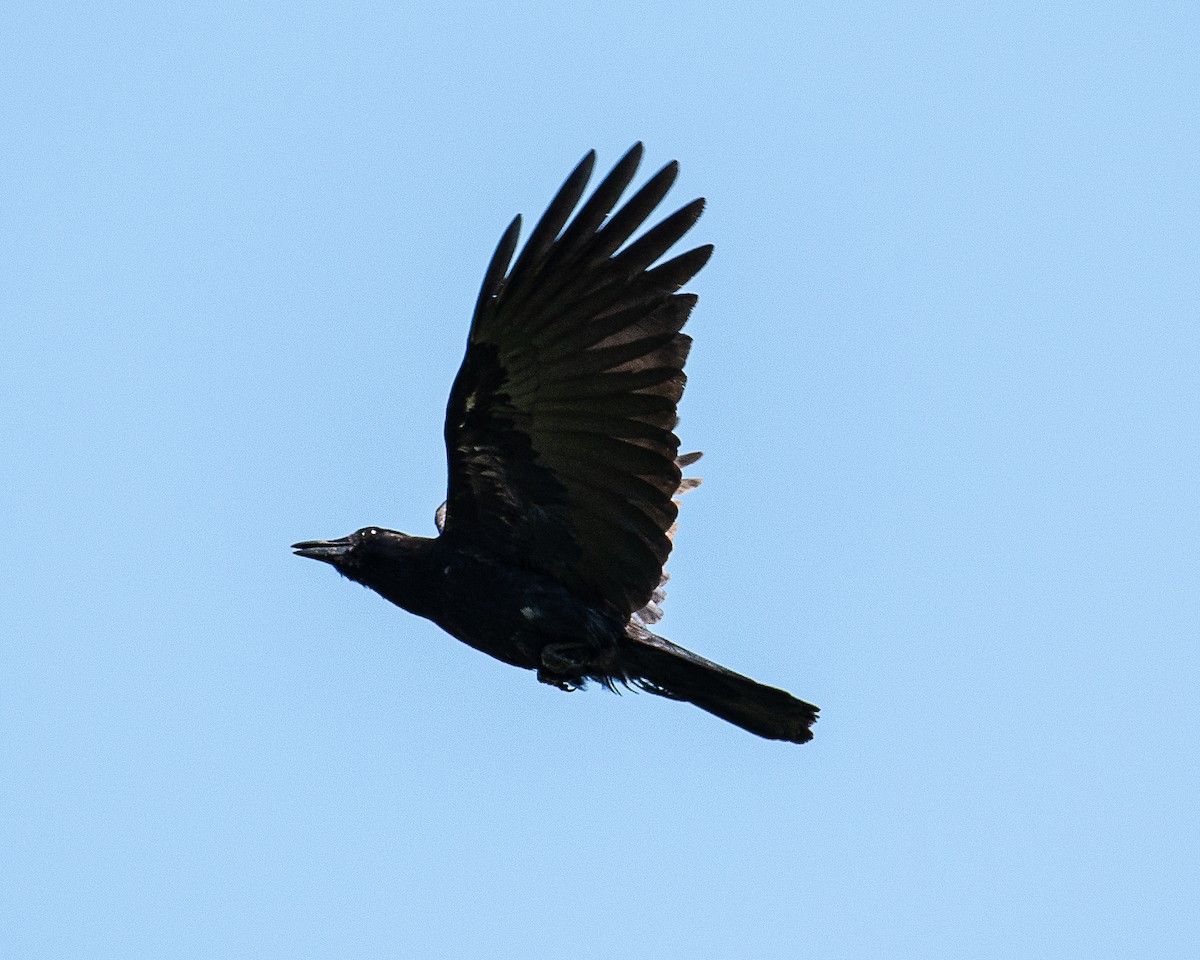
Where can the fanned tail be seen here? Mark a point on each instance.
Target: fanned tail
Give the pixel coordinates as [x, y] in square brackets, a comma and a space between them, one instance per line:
[660, 667]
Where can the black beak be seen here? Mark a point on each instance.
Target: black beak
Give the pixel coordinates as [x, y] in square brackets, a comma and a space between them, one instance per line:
[328, 550]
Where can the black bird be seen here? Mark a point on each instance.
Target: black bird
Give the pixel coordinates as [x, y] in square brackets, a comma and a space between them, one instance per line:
[564, 465]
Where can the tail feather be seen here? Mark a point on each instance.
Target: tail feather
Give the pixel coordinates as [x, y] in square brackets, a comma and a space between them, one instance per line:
[660, 667]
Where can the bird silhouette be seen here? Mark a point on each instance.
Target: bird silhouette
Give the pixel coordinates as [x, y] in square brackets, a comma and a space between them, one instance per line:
[564, 467]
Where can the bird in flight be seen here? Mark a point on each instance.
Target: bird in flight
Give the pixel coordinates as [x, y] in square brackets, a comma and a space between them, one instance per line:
[563, 463]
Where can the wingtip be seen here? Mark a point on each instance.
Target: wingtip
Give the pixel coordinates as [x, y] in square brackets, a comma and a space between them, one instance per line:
[665, 178]
[584, 167]
[508, 242]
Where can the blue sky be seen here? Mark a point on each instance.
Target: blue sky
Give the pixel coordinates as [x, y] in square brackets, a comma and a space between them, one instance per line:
[945, 375]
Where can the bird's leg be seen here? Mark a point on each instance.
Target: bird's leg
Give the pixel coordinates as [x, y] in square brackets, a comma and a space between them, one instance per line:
[566, 684]
[565, 665]
[562, 665]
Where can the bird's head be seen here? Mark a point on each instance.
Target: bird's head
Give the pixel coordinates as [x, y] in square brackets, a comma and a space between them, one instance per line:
[363, 551]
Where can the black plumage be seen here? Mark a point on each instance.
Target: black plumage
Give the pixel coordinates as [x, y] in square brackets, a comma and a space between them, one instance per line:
[563, 463]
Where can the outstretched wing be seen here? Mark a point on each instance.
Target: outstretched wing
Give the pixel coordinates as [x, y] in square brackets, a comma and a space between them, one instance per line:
[560, 425]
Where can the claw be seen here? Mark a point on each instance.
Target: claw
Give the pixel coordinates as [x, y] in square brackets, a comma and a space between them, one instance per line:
[567, 685]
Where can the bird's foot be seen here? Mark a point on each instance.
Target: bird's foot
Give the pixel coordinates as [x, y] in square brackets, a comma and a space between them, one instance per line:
[566, 684]
[564, 665]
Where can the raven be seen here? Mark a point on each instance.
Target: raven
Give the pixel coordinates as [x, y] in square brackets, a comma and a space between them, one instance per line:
[563, 463]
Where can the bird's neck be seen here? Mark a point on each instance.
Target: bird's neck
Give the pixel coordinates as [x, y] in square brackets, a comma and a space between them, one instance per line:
[409, 574]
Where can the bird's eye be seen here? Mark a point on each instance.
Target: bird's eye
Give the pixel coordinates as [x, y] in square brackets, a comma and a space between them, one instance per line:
[367, 532]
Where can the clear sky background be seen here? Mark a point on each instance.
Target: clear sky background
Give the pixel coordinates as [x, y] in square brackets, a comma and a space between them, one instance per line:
[945, 375]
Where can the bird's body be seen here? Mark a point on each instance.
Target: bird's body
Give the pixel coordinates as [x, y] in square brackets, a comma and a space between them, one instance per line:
[506, 612]
[564, 466]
